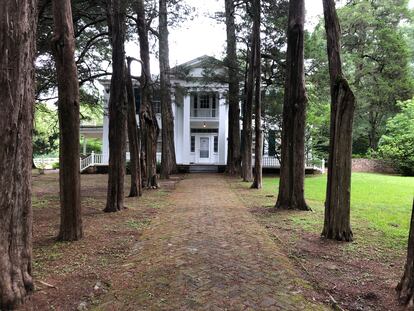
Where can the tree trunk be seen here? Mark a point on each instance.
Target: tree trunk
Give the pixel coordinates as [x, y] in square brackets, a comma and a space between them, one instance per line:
[63, 44]
[168, 162]
[292, 169]
[17, 51]
[117, 108]
[337, 205]
[405, 289]
[247, 119]
[233, 153]
[258, 149]
[148, 121]
[133, 138]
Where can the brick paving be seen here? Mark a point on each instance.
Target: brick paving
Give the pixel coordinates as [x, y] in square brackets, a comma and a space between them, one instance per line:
[207, 252]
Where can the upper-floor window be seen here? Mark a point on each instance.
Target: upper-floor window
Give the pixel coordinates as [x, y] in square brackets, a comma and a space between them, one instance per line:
[205, 101]
[204, 105]
[156, 104]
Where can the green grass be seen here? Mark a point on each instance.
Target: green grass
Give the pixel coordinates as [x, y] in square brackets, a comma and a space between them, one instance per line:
[379, 202]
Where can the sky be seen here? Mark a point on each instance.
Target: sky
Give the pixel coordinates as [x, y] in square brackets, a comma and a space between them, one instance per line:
[206, 36]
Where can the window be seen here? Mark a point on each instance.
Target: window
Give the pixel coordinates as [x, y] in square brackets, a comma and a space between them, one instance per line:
[193, 131]
[204, 101]
[137, 95]
[192, 143]
[156, 105]
[195, 101]
[213, 104]
[215, 144]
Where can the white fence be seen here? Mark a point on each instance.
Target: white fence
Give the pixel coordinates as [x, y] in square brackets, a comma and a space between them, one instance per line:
[95, 159]
[45, 163]
[273, 162]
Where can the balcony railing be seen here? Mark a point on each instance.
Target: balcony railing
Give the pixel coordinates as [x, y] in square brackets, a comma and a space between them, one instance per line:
[204, 113]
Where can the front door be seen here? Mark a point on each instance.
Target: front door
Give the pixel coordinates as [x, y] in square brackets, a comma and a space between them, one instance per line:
[204, 149]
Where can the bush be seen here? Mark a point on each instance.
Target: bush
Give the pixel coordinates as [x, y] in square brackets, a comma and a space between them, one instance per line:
[397, 144]
[55, 165]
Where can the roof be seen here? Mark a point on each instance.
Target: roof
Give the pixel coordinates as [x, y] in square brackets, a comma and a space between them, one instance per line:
[198, 62]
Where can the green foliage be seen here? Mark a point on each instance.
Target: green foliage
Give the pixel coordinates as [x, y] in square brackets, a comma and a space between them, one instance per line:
[46, 131]
[92, 145]
[376, 57]
[397, 144]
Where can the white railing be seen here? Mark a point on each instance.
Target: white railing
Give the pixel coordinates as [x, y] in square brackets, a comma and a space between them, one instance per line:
[91, 160]
[273, 162]
[204, 113]
[42, 162]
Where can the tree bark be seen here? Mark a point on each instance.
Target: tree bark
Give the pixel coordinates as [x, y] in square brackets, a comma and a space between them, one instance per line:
[337, 205]
[168, 161]
[148, 121]
[17, 50]
[63, 44]
[247, 119]
[405, 288]
[233, 153]
[117, 108]
[258, 149]
[292, 169]
[133, 138]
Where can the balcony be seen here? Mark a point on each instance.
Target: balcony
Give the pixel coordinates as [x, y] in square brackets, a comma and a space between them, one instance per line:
[204, 113]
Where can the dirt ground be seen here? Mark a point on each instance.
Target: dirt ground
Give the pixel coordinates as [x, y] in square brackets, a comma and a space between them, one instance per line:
[71, 276]
[357, 275]
[200, 242]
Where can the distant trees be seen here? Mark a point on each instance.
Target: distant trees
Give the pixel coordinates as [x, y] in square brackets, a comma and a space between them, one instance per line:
[338, 192]
[292, 171]
[233, 154]
[17, 51]
[63, 45]
[397, 144]
[372, 35]
[117, 107]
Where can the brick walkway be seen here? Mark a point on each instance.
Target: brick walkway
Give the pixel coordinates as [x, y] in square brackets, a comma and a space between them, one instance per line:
[207, 252]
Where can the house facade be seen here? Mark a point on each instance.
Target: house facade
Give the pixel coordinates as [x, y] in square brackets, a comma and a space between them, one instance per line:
[200, 112]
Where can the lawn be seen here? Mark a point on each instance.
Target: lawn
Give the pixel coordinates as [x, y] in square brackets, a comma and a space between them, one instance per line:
[361, 275]
[379, 202]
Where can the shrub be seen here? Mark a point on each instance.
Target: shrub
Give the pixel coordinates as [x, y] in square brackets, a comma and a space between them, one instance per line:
[397, 144]
[55, 165]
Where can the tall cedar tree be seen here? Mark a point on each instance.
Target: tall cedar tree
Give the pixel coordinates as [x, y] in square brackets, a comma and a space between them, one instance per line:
[246, 173]
[168, 161]
[17, 50]
[148, 121]
[405, 289]
[134, 139]
[258, 149]
[117, 107]
[292, 170]
[233, 154]
[63, 45]
[337, 204]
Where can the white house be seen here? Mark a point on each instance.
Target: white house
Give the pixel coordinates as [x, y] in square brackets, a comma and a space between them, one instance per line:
[200, 113]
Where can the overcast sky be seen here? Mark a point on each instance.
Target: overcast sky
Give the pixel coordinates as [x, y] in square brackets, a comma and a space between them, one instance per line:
[205, 36]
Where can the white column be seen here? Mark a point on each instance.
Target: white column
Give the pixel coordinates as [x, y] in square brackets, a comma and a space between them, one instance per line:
[223, 129]
[84, 145]
[186, 130]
